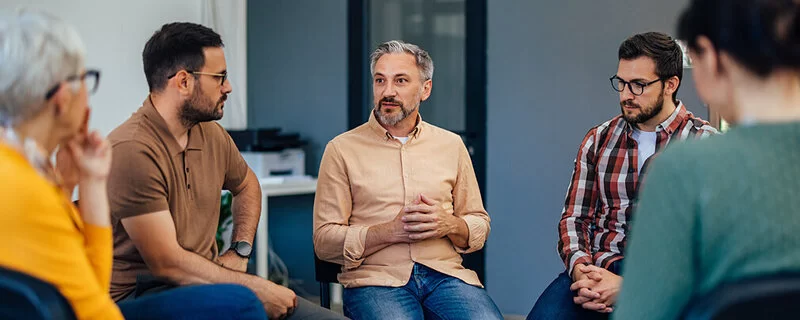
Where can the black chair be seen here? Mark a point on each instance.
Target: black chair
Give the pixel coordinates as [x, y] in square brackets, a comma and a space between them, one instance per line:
[25, 297]
[770, 297]
[326, 273]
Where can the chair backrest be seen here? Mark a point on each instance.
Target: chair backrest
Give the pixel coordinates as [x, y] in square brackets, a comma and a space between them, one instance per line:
[326, 272]
[770, 297]
[25, 297]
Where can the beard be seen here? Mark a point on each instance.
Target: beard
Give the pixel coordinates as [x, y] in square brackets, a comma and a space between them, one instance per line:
[199, 108]
[392, 119]
[645, 113]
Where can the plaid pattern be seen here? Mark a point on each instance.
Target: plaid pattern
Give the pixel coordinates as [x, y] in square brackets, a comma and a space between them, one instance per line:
[599, 202]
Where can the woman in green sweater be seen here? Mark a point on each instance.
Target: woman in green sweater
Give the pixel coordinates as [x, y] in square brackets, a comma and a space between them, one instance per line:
[725, 208]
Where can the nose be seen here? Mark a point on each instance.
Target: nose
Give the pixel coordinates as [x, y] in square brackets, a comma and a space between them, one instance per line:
[227, 87]
[626, 94]
[389, 90]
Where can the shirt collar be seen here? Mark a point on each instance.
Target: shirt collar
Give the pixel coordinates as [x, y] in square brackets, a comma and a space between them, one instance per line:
[196, 137]
[669, 125]
[376, 127]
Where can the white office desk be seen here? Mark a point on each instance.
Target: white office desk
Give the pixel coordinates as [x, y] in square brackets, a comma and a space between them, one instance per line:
[270, 188]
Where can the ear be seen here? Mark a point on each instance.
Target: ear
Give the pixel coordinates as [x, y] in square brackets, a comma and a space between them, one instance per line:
[426, 89]
[708, 57]
[184, 82]
[61, 99]
[671, 85]
[727, 65]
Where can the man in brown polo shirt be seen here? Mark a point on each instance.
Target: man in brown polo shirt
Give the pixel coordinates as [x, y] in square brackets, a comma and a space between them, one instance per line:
[397, 201]
[171, 160]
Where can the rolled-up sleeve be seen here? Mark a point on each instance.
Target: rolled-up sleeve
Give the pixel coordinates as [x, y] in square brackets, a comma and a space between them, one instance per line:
[468, 204]
[354, 242]
[334, 239]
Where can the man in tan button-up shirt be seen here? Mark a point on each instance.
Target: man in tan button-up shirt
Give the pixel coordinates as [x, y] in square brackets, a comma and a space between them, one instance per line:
[398, 201]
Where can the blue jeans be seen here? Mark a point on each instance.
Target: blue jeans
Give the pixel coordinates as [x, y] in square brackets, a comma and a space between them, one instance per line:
[429, 294]
[556, 302]
[211, 301]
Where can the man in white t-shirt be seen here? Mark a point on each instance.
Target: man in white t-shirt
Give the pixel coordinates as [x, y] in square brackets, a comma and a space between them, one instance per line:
[599, 202]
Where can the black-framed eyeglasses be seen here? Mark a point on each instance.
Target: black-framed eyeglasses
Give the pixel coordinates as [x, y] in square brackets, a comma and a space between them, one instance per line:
[90, 77]
[636, 87]
[222, 76]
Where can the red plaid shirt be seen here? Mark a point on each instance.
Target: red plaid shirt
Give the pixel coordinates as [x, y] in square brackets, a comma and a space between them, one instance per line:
[594, 221]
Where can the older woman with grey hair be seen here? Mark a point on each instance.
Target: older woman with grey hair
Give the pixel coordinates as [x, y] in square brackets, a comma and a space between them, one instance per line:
[44, 89]
[44, 92]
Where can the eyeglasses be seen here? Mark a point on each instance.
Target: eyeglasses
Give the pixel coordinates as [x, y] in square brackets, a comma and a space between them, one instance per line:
[636, 87]
[91, 77]
[222, 76]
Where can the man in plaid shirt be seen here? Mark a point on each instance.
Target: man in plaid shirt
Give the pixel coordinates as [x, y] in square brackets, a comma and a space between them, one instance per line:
[601, 194]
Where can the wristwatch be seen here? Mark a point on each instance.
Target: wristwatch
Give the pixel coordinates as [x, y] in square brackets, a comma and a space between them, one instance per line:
[242, 248]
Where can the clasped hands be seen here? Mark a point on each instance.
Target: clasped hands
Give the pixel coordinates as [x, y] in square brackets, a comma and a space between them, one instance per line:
[424, 219]
[595, 288]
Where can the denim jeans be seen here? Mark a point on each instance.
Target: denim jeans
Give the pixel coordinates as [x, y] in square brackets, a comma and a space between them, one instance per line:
[556, 302]
[211, 301]
[429, 294]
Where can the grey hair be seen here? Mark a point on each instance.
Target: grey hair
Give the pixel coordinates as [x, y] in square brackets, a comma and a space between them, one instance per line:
[424, 61]
[37, 52]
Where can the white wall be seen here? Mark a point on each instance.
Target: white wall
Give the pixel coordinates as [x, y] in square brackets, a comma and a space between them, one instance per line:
[115, 32]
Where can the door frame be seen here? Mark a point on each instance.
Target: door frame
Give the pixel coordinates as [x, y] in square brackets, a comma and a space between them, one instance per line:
[359, 86]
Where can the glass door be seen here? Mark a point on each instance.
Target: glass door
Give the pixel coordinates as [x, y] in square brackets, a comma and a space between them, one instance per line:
[454, 34]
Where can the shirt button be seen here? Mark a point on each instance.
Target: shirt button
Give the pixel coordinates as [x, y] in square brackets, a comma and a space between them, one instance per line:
[188, 186]
[631, 170]
[187, 170]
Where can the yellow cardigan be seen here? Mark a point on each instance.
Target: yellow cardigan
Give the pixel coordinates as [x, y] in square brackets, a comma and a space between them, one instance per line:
[44, 236]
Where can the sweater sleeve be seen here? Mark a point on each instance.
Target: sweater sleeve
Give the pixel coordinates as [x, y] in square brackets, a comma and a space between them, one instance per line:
[48, 241]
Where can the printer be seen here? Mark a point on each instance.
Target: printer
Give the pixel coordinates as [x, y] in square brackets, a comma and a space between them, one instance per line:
[271, 153]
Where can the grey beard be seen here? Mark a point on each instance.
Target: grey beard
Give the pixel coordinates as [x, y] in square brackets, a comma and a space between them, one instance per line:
[392, 120]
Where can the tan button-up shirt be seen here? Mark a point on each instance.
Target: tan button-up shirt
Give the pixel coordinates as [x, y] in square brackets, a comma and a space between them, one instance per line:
[367, 177]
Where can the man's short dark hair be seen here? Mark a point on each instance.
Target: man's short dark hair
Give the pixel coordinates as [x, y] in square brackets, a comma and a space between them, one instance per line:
[174, 47]
[660, 47]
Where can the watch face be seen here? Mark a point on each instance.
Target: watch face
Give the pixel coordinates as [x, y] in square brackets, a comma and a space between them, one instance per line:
[243, 248]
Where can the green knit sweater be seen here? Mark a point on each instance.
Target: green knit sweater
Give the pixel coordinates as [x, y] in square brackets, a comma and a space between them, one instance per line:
[713, 211]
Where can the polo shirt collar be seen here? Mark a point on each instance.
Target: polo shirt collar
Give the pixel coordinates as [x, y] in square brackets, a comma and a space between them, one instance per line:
[196, 137]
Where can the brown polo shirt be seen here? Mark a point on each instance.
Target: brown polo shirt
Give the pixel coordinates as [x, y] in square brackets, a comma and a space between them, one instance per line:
[150, 172]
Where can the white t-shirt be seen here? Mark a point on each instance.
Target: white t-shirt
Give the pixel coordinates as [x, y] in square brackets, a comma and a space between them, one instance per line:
[402, 139]
[646, 145]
